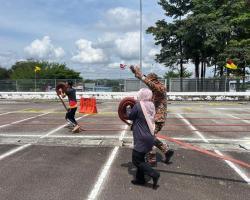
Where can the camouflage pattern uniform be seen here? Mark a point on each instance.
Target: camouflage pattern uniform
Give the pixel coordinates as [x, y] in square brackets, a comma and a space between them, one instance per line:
[160, 102]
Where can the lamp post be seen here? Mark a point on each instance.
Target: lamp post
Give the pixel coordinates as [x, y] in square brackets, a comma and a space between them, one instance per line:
[141, 35]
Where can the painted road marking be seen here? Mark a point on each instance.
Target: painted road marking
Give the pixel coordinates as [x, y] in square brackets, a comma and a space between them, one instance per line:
[8, 113]
[232, 108]
[11, 112]
[232, 165]
[23, 120]
[101, 178]
[15, 150]
[215, 140]
[246, 121]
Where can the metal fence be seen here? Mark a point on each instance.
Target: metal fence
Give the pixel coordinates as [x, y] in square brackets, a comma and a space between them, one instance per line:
[127, 85]
[210, 84]
[48, 85]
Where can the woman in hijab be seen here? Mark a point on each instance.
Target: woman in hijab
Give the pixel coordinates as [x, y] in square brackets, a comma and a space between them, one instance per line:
[142, 115]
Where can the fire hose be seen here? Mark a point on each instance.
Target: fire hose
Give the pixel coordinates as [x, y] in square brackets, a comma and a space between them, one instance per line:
[128, 101]
[62, 86]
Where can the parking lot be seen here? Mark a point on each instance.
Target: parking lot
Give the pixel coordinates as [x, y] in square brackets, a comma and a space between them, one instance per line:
[40, 158]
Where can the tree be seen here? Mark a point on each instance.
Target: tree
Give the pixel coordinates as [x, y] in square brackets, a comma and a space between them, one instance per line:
[4, 73]
[25, 70]
[208, 33]
[238, 45]
[176, 74]
[168, 35]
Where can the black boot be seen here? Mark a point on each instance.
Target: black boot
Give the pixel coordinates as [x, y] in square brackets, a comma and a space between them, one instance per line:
[155, 181]
[168, 155]
[137, 182]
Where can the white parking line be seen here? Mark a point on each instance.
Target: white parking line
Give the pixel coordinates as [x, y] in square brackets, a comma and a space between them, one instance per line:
[189, 139]
[8, 113]
[232, 165]
[15, 150]
[23, 120]
[245, 121]
[101, 178]
[60, 127]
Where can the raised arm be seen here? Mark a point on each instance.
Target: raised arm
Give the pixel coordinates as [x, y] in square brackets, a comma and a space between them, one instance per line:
[152, 86]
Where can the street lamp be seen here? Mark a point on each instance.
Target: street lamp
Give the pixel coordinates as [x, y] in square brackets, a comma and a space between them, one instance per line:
[141, 35]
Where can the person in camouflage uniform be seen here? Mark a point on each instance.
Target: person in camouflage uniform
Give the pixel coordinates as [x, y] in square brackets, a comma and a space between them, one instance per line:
[160, 101]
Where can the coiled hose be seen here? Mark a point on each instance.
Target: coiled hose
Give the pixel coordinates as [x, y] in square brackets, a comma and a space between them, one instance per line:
[62, 86]
[122, 108]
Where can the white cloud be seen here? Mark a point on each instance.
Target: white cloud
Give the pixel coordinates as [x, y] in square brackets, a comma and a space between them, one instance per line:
[120, 19]
[7, 59]
[128, 46]
[86, 53]
[43, 49]
[124, 17]
[153, 52]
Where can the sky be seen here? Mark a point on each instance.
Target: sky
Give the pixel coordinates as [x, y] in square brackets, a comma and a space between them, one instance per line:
[91, 36]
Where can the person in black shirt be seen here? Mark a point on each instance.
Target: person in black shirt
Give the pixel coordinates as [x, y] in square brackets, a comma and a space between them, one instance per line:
[70, 115]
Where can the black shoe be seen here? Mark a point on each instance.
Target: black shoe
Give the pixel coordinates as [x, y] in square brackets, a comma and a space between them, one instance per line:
[155, 181]
[136, 182]
[168, 155]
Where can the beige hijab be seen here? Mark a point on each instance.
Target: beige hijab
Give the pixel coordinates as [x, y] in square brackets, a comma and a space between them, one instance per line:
[144, 96]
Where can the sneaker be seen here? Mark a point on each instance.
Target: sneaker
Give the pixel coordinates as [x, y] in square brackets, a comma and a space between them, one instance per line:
[137, 182]
[168, 155]
[76, 128]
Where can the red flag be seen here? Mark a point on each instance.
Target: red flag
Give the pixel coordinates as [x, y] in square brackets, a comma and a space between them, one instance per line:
[230, 64]
[122, 66]
[229, 61]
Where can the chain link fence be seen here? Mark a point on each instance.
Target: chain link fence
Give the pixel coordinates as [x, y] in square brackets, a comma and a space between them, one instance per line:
[128, 85]
[210, 84]
[49, 85]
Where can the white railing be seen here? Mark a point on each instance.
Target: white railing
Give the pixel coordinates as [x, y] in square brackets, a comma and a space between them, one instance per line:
[178, 96]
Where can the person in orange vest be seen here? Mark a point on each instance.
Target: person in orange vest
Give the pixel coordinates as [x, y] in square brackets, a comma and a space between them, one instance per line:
[160, 101]
[70, 115]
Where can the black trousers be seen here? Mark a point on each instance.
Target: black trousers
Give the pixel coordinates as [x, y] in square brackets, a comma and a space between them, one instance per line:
[70, 116]
[143, 167]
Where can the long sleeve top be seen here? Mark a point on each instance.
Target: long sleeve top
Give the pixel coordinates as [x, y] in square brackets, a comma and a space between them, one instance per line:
[159, 98]
[143, 139]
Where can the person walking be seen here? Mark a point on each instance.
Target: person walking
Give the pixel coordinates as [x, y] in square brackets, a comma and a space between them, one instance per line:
[142, 116]
[160, 102]
[70, 115]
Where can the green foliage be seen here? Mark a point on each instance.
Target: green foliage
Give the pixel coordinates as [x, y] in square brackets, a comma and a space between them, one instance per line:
[170, 35]
[206, 33]
[176, 74]
[4, 73]
[25, 70]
